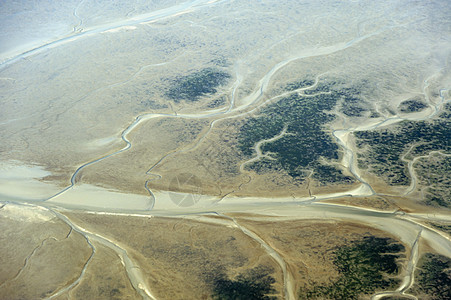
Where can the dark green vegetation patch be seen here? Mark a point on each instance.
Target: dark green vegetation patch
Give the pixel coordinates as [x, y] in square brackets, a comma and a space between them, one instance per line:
[383, 149]
[441, 226]
[364, 266]
[329, 174]
[349, 99]
[305, 142]
[198, 84]
[300, 84]
[256, 284]
[434, 276]
[412, 105]
[352, 104]
[218, 102]
[433, 173]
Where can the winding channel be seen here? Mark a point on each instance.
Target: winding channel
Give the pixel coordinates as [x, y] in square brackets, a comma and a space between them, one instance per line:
[258, 149]
[246, 102]
[133, 271]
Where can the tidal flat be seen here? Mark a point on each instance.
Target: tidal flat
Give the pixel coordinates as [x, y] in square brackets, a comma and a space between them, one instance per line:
[225, 150]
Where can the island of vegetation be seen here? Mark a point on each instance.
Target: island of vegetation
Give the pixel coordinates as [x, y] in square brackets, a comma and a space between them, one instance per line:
[196, 85]
[307, 147]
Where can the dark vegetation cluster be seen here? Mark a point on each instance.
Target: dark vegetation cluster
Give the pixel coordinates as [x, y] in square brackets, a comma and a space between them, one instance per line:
[264, 165]
[374, 114]
[443, 227]
[412, 105]
[434, 276]
[385, 147]
[446, 113]
[255, 284]
[364, 266]
[196, 85]
[218, 102]
[299, 84]
[352, 105]
[326, 86]
[433, 173]
[305, 141]
[349, 99]
[329, 174]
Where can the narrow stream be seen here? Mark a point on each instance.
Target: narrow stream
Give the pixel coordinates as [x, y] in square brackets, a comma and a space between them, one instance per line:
[133, 271]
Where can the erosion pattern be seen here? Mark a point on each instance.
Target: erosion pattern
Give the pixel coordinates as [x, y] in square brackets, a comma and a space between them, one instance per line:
[225, 150]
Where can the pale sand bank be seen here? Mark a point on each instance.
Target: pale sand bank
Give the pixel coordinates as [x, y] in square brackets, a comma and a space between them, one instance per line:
[92, 197]
[21, 182]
